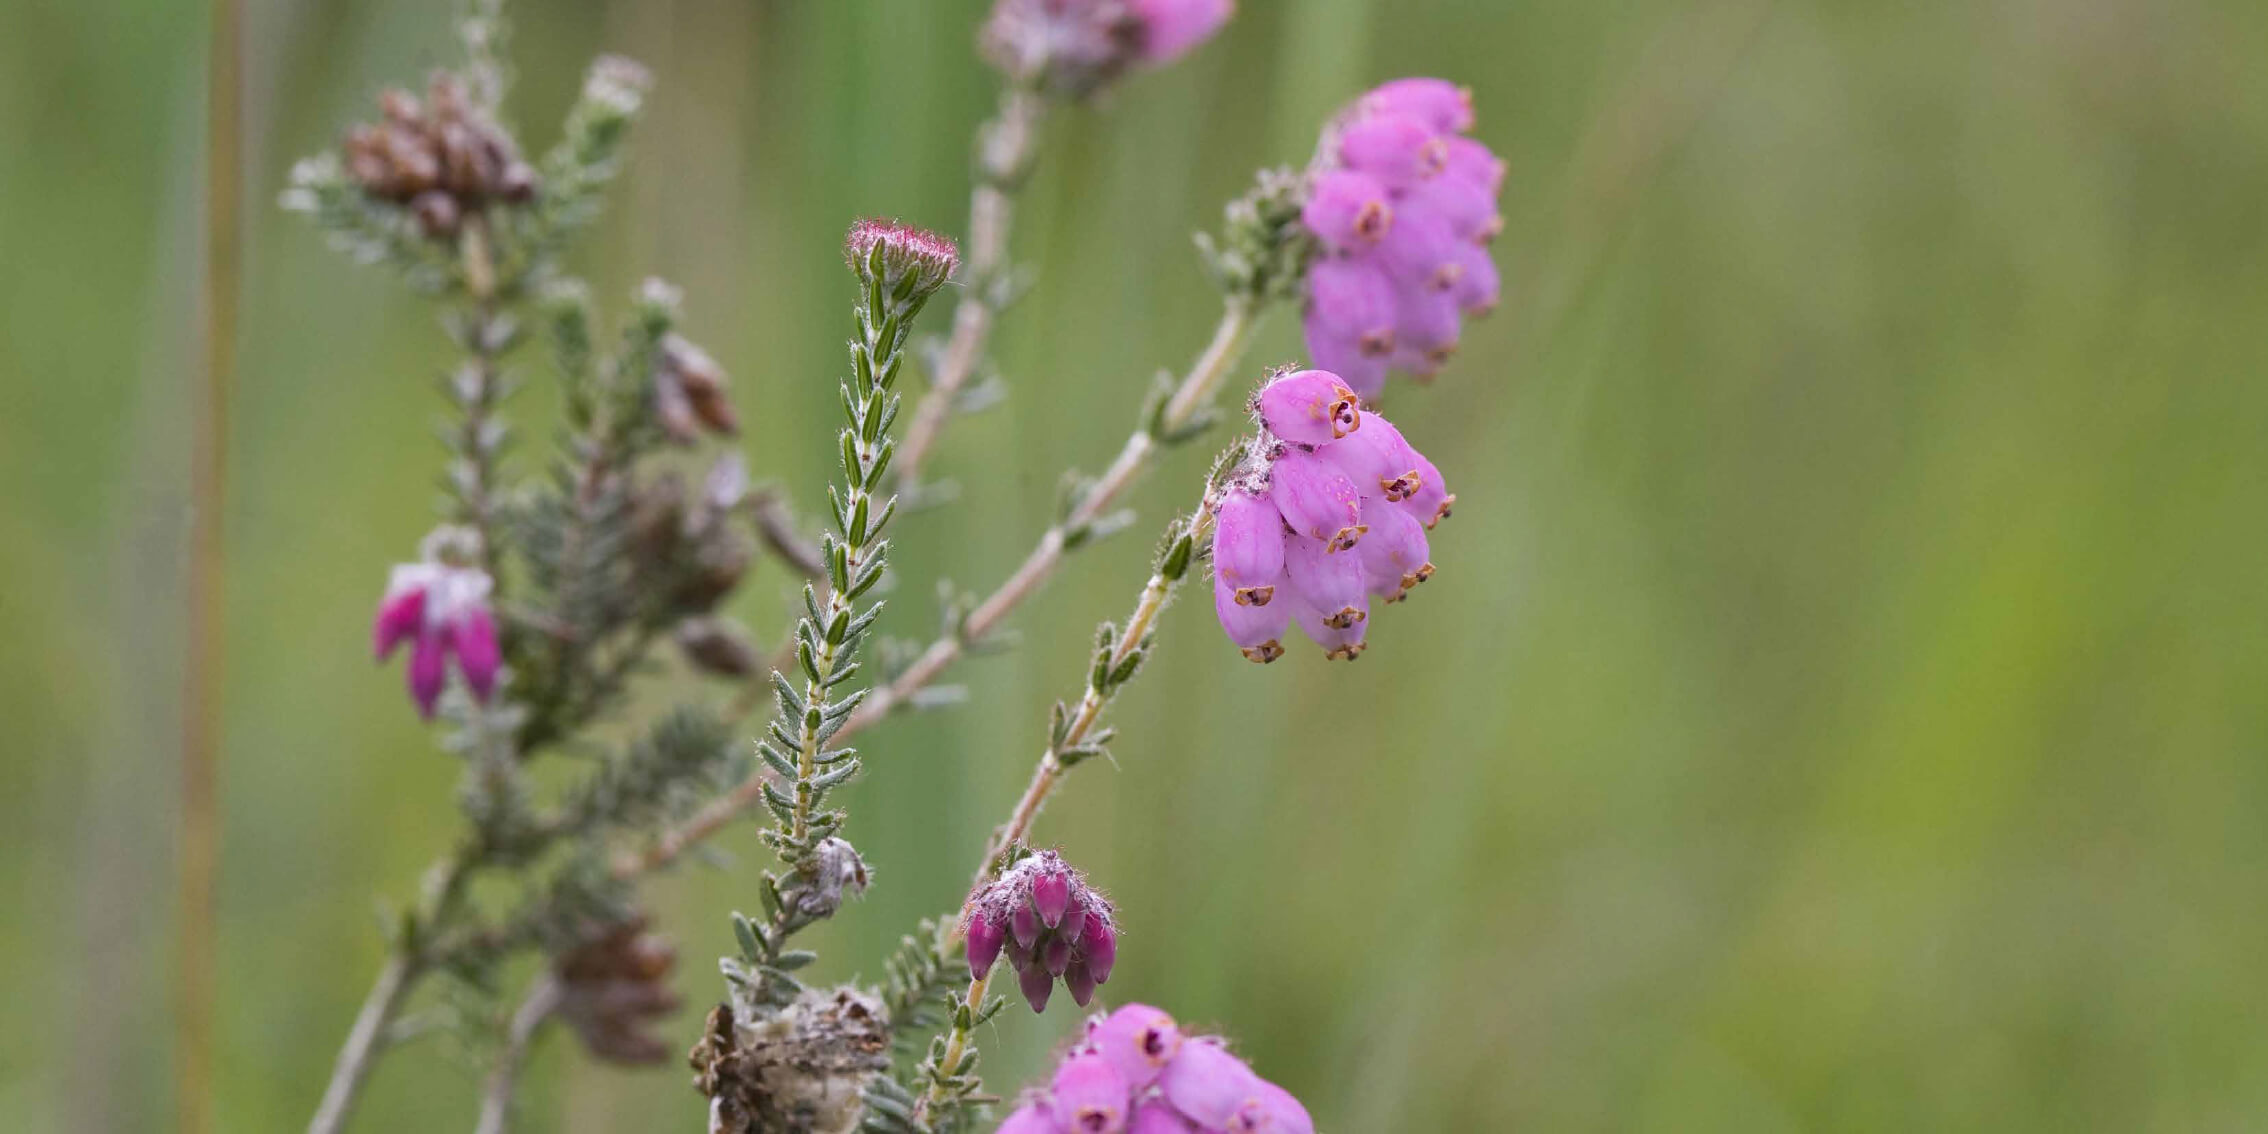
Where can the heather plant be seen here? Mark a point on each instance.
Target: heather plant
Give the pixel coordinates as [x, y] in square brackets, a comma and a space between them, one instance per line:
[554, 581]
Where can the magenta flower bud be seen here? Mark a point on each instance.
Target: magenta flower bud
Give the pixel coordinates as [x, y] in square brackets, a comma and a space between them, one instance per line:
[1024, 923]
[1156, 1116]
[1339, 632]
[426, 670]
[985, 937]
[1090, 1097]
[1051, 894]
[1348, 210]
[1473, 162]
[1394, 556]
[1311, 407]
[402, 611]
[477, 654]
[1318, 501]
[1138, 1040]
[1056, 955]
[1328, 581]
[1170, 28]
[1258, 630]
[1099, 946]
[1377, 459]
[1476, 289]
[1019, 955]
[1207, 1084]
[1033, 1117]
[1468, 209]
[900, 255]
[1396, 149]
[1440, 104]
[1248, 546]
[1080, 982]
[1035, 982]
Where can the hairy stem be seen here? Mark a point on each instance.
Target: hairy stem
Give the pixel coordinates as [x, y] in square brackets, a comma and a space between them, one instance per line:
[1194, 391]
[1078, 730]
[503, 1079]
[1005, 146]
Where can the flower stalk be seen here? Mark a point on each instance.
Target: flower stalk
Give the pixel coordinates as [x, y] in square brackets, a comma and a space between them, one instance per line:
[1074, 735]
[1006, 146]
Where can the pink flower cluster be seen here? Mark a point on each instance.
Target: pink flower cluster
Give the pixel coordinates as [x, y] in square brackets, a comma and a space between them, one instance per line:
[1405, 210]
[441, 610]
[1135, 1073]
[1329, 510]
[1051, 924]
[1075, 47]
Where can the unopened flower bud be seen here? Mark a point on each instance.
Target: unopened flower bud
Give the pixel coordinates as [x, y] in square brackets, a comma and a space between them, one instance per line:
[1034, 1117]
[1036, 983]
[1394, 555]
[1051, 895]
[1248, 546]
[985, 936]
[909, 263]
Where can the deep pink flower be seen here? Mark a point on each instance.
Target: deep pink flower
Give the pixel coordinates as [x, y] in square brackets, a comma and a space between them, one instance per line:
[1353, 480]
[1428, 234]
[1316, 500]
[1207, 1084]
[441, 610]
[1138, 1040]
[1439, 103]
[1090, 1096]
[1311, 407]
[1034, 1116]
[1134, 1071]
[1349, 210]
[1049, 922]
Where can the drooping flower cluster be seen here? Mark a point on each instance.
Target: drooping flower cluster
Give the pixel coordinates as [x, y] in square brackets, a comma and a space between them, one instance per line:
[1404, 207]
[440, 606]
[1073, 47]
[443, 158]
[1328, 511]
[1135, 1073]
[1051, 924]
[613, 987]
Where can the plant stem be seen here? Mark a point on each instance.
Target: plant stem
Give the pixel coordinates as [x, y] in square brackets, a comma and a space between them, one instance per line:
[364, 1042]
[496, 1097]
[1135, 635]
[1196, 388]
[1005, 148]
[405, 965]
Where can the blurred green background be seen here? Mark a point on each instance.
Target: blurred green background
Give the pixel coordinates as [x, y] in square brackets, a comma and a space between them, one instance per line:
[1841, 705]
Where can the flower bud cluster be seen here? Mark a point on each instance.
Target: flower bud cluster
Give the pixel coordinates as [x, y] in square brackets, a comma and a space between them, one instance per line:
[612, 987]
[439, 605]
[1329, 510]
[1134, 1072]
[442, 158]
[1405, 204]
[1050, 923]
[1074, 47]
